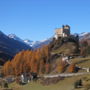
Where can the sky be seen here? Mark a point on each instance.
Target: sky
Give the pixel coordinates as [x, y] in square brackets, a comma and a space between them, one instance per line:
[37, 19]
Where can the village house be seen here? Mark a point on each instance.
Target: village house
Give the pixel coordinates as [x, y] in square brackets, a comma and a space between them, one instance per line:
[62, 32]
[27, 77]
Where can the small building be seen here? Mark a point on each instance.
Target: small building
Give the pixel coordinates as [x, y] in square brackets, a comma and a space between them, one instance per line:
[62, 32]
[27, 77]
[66, 59]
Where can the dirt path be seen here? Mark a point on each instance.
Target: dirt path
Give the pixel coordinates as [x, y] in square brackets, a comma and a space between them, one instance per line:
[65, 75]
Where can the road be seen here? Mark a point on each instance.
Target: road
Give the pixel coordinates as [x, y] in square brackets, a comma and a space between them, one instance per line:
[65, 75]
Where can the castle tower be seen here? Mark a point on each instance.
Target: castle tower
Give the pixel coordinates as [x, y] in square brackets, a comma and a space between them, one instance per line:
[62, 32]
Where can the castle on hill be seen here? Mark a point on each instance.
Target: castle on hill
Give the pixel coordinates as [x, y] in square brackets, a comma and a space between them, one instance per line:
[62, 32]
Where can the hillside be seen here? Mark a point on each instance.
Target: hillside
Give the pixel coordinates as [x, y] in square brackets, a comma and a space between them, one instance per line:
[67, 46]
[9, 47]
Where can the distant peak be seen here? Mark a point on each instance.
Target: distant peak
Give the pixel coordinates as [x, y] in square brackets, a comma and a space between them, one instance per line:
[27, 40]
[12, 35]
[84, 33]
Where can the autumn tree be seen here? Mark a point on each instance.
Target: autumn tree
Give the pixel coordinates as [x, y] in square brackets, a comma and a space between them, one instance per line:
[8, 69]
[72, 68]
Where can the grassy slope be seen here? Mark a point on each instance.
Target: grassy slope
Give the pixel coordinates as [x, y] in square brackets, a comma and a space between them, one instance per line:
[66, 84]
[67, 48]
[82, 62]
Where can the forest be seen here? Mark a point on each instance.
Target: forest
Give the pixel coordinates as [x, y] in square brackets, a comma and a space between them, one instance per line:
[36, 61]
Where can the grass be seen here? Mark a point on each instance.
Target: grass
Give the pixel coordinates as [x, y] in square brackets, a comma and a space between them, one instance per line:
[38, 86]
[82, 62]
[66, 49]
[66, 84]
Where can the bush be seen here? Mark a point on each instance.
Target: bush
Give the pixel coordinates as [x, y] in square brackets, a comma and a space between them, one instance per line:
[78, 83]
[5, 85]
[72, 68]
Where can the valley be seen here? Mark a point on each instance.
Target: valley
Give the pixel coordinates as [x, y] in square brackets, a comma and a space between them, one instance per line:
[47, 65]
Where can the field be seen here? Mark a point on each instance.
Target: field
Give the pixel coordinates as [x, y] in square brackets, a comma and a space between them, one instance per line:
[66, 84]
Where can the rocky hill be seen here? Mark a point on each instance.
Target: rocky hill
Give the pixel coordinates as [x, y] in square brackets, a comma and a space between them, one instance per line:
[67, 46]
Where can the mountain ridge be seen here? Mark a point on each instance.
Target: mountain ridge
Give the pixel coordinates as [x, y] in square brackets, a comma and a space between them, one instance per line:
[38, 44]
[33, 44]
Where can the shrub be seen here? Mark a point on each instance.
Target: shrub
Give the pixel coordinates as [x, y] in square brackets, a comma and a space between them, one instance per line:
[72, 68]
[78, 83]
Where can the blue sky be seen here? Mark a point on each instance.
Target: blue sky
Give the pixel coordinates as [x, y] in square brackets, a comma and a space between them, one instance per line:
[37, 19]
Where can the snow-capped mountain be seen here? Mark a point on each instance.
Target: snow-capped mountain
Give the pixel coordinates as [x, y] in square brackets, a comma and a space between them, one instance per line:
[37, 44]
[84, 36]
[28, 42]
[33, 44]
[13, 36]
